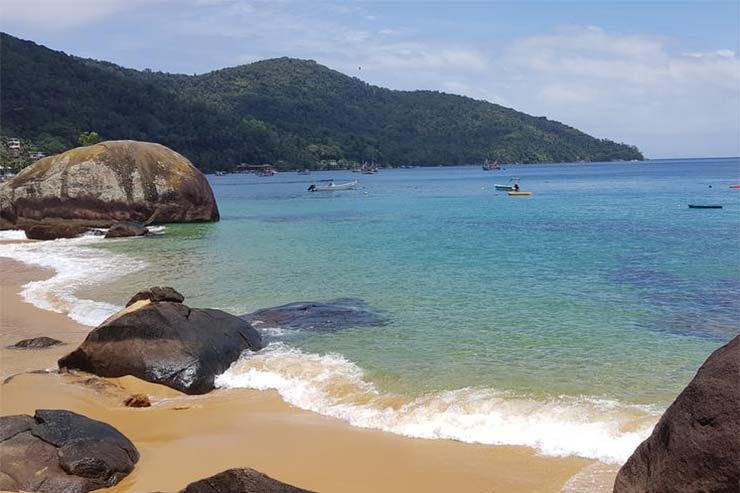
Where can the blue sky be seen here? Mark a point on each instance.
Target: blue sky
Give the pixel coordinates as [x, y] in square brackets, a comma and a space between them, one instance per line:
[663, 75]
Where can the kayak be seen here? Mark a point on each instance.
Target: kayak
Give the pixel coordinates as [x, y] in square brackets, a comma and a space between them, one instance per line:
[520, 194]
[734, 186]
[695, 206]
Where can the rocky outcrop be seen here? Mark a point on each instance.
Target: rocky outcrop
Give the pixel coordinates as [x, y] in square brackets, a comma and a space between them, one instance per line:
[241, 481]
[157, 293]
[57, 451]
[165, 342]
[36, 343]
[125, 229]
[109, 182]
[53, 230]
[327, 316]
[695, 447]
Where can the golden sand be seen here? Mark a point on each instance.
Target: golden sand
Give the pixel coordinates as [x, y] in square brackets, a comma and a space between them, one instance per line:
[185, 438]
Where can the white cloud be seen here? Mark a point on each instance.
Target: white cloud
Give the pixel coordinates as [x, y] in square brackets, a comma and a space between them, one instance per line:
[630, 88]
[56, 15]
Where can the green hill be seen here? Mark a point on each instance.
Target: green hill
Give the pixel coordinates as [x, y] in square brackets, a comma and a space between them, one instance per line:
[285, 111]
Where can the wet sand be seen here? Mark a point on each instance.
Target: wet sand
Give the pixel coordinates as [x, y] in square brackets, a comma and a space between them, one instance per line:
[184, 438]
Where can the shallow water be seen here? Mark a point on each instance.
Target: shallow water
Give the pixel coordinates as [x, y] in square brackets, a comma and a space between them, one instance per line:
[565, 321]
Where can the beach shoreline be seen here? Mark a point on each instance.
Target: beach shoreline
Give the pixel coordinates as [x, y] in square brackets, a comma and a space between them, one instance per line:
[185, 438]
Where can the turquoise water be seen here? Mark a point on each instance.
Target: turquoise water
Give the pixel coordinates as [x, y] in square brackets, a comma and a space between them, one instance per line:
[600, 295]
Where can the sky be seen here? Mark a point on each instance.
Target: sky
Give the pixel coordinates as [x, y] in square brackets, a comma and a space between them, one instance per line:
[662, 75]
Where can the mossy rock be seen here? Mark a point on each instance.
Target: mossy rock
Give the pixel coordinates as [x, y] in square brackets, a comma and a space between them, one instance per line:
[109, 182]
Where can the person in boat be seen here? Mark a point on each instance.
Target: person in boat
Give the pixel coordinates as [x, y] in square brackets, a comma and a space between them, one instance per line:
[312, 188]
[516, 187]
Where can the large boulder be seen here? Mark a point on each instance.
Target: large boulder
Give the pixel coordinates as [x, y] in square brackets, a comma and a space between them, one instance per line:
[328, 316]
[241, 481]
[165, 342]
[695, 447]
[53, 230]
[108, 182]
[57, 451]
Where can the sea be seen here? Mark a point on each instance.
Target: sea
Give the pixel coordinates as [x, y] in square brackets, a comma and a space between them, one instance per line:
[566, 321]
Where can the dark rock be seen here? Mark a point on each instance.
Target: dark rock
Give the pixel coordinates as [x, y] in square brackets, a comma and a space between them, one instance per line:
[54, 230]
[167, 343]
[695, 447]
[109, 182]
[36, 343]
[57, 451]
[157, 293]
[327, 316]
[125, 229]
[241, 481]
[137, 400]
[10, 426]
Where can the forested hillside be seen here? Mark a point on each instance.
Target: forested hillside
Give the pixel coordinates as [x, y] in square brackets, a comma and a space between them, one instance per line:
[284, 111]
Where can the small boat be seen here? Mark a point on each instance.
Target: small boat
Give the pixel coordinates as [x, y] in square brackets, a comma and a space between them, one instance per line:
[490, 166]
[698, 206]
[368, 169]
[511, 187]
[330, 186]
[734, 186]
[520, 194]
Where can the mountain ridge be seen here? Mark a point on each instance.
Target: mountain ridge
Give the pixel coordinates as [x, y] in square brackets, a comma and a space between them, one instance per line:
[287, 111]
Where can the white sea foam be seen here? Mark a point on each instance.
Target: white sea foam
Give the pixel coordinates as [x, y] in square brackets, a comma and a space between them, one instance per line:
[331, 385]
[76, 266]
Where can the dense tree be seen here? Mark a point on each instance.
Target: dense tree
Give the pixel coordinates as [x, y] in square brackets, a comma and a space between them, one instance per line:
[88, 138]
[285, 111]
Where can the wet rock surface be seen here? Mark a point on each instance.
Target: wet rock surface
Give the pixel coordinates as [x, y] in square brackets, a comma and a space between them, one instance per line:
[329, 316]
[126, 229]
[165, 342]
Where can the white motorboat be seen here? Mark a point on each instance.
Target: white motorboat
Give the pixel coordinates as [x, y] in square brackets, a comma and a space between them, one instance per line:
[330, 186]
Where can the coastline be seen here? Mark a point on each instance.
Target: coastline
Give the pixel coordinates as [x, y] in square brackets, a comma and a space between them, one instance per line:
[184, 438]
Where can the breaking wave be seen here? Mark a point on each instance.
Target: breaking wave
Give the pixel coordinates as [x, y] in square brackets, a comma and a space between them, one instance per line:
[333, 386]
[76, 266]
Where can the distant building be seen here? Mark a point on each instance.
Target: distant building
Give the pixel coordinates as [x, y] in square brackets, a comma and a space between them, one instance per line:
[258, 169]
[36, 155]
[14, 144]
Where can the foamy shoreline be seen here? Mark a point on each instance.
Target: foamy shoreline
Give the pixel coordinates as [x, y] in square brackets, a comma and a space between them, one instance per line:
[245, 428]
[332, 386]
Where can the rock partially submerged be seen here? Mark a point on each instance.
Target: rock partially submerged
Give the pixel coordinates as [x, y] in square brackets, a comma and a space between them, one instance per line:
[165, 342]
[54, 230]
[57, 451]
[317, 316]
[126, 229]
[695, 447]
[241, 481]
[108, 182]
[36, 343]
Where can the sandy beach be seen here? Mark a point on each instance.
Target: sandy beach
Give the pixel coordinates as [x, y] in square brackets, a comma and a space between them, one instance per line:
[184, 438]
